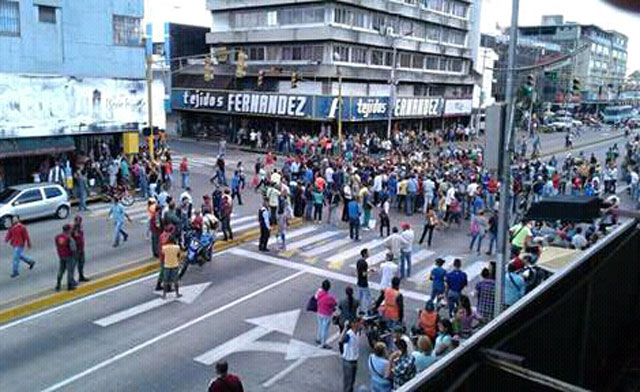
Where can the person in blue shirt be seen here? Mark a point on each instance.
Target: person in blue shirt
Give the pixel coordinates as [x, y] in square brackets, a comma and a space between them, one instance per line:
[118, 214]
[436, 277]
[353, 213]
[236, 181]
[514, 286]
[412, 191]
[456, 281]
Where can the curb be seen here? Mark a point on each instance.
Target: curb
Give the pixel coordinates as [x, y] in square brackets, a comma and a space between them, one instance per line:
[584, 145]
[148, 266]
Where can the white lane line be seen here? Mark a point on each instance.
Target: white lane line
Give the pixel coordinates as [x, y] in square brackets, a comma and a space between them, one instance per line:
[245, 227]
[77, 301]
[355, 250]
[474, 270]
[315, 271]
[241, 220]
[333, 245]
[294, 234]
[311, 240]
[283, 373]
[169, 333]
[416, 258]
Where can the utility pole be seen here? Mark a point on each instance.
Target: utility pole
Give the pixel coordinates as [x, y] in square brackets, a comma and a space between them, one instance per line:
[505, 175]
[339, 108]
[150, 103]
[392, 89]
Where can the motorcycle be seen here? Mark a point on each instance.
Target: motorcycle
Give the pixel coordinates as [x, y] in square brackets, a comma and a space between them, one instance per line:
[199, 250]
[119, 192]
[375, 327]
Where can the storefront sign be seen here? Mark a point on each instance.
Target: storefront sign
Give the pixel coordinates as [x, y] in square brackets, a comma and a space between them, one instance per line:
[418, 107]
[456, 107]
[236, 102]
[314, 106]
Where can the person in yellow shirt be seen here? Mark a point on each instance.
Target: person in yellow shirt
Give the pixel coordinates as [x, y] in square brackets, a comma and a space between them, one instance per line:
[172, 255]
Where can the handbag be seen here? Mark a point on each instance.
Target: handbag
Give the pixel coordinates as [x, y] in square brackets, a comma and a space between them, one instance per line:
[312, 304]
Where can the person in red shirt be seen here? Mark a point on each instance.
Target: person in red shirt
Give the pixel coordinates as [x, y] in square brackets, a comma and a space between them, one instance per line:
[66, 248]
[168, 174]
[184, 172]
[225, 381]
[18, 237]
[78, 235]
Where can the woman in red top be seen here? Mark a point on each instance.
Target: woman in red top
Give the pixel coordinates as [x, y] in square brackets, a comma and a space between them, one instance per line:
[326, 306]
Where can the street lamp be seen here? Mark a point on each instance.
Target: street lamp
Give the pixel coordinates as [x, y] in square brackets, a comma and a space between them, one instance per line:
[336, 58]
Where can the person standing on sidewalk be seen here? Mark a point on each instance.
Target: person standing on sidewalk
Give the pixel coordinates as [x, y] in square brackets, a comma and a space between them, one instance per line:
[82, 185]
[118, 214]
[265, 225]
[18, 238]
[184, 172]
[349, 340]
[226, 209]
[66, 248]
[78, 236]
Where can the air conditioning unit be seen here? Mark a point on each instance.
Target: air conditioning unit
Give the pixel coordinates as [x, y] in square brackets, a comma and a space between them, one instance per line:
[389, 30]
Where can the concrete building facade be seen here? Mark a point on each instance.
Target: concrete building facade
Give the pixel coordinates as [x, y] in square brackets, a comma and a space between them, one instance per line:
[71, 75]
[322, 40]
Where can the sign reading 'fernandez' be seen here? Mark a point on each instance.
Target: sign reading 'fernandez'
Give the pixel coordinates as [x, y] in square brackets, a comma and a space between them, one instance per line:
[231, 102]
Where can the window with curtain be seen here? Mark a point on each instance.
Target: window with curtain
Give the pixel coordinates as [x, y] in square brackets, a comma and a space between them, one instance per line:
[126, 30]
[9, 17]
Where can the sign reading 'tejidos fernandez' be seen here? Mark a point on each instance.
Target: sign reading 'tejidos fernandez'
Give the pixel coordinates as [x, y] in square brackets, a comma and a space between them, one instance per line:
[310, 106]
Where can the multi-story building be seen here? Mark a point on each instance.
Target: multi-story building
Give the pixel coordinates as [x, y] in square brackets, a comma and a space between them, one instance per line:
[174, 29]
[336, 47]
[601, 65]
[71, 77]
[529, 52]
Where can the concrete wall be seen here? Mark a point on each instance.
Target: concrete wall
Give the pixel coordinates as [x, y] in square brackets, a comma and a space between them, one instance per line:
[79, 44]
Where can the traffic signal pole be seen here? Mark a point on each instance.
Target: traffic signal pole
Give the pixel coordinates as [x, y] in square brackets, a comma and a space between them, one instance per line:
[505, 174]
[149, 75]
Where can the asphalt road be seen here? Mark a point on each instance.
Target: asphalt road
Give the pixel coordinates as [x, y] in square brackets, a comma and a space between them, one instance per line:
[125, 338]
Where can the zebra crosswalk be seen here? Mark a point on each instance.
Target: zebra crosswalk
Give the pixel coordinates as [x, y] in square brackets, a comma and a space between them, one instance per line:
[332, 249]
[199, 161]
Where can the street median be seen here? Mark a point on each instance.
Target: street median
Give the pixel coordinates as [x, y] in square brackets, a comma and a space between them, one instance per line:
[22, 307]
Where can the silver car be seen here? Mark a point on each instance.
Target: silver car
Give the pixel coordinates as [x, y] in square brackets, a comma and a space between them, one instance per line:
[30, 201]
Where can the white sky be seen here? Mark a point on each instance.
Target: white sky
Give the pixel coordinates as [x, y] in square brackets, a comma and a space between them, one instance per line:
[190, 12]
[595, 12]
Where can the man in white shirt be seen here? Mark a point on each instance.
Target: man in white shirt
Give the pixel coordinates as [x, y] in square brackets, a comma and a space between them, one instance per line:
[186, 194]
[349, 340]
[388, 270]
[429, 188]
[406, 246]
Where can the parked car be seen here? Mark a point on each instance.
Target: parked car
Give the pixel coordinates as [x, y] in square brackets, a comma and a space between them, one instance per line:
[30, 201]
[564, 123]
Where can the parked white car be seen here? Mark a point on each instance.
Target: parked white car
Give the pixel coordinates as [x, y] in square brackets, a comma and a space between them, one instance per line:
[30, 201]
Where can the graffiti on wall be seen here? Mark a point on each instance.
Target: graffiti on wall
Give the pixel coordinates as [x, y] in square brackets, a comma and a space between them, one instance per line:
[46, 104]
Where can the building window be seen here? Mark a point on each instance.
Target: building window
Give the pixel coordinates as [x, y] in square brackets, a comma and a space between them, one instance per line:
[158, 48]
[46, 14]
[302, 16]
[405, 60]
[432, 63]
[343, 16]
[417, 61]
[341, 52]
[360, 19]
[435, 5]
[302, 52]
[126, 30]
[358, 55]
[381, 57]
[378, 22]
[9, 17]
[460, 10]
[455, 65]
[256, 53]
[444, 64]
[433, 32]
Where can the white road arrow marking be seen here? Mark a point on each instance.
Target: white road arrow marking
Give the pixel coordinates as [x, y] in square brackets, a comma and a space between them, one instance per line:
[189, 294]
[284, 322]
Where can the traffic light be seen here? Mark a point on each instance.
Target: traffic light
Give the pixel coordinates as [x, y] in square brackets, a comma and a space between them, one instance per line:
[241, 65]
[295, 79]
[576, 86]
[208, 69]
[260, 78]
[222, 55]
